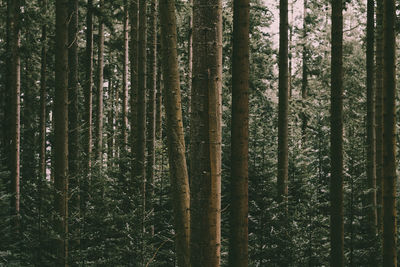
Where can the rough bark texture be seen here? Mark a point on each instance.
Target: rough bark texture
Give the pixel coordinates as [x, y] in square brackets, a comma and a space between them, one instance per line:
[336, 182]
[371, 159]
[379, 111]
[304, 79]
[283, 162]
[13, 110]
[159, 104]
[176, 142]
[389, 137]
[88, 90]
[238, 243]
[100, 83]
[61, 133]
[151, 113]
[205, 134]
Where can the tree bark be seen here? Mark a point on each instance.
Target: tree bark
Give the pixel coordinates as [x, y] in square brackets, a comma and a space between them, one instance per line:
[371, 156]
[238, 243]
[61, 133]
[176, 141]
[304, 80]
[336, 183]
[379, 112]
[100, 83]
[159, 104]
[13, 110]
[282, 182]
[125, 96]
[151, 119]
[205, 134]
[88, 90]
[389, 137]
[43, 93]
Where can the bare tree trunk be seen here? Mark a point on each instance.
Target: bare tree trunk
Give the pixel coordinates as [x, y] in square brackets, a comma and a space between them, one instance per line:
[371, 157]
[43, 113]
[14, 107]
[151, 119]
[133, 16]
[282, 182]
[100, 82]
[159, 104]
[61, 133]
[176, 141]
[304, 80]
[379, 112]
[125, 97]
[336, 183]
[389, 138]
[238, 243]
[205, 134]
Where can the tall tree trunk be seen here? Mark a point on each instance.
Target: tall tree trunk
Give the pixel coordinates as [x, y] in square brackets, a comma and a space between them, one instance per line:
[61, 133]
[73, 111]
[125, 97]
[151, 119]
[389, 138]
[304, 80]
[379, 111]
[13, 109]
[176, 141]
[190, 59]
[336, 183]
[100, 77]
[282, 181]
[43, 113]
[371, 160]
[88, 90]
[238, 243]
[205, 134]
[159, 104]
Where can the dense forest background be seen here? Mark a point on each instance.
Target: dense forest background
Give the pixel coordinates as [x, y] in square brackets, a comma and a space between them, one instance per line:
[102, 211]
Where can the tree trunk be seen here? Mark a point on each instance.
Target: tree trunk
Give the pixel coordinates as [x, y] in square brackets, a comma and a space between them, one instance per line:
[371, 160]
[205, 134]
[176, 141]
[238, 243]
[389, 138]
[282, 182]
[379, 111]
[100, 83]
[61, 133]
[336, 183]
[88, 90]
[133, 54]
[125, 82]
[73, 111]
[159, 104]
[304, 80]
[13, 110]
[43, 113]
[151, 119]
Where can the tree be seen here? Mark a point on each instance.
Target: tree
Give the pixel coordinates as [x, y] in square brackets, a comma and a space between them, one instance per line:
[238, 242]
[336, 181]
[389, 137]
[379, 112]
[304, 79]
[43, 113]
[205, 134]
[61, 133]
[13, 108]
[283, 161]
[371, 156]
[100, 83]
[125, 96]
[176, 142]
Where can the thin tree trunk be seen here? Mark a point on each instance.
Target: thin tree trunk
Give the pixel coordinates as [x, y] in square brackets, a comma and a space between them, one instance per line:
[159, 104]
[133, 16]
[238, 243]
[100, 83]
[125, 97]
[151, 120]
[379, 112]
[176, 141]
[14, 107]
[304, 80]
[282, 182]
[61, 133]
[88, 90]
[205, 134]
[389, 138]
[190, 58]
[371, 159]
[336, 183]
